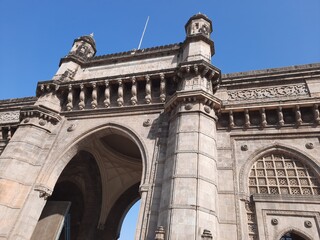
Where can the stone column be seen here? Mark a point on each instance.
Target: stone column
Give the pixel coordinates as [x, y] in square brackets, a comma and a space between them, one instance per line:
[20, 164]
[189, 190]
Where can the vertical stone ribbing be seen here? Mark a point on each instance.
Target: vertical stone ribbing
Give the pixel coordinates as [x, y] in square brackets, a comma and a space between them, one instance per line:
[189, 191]
[20, 165]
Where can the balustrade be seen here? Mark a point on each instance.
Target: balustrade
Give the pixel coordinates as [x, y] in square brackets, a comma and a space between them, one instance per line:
[70, 98]
[316, 113]
[263, 118]
[134, 99]
[278, 117]
[94, 96]
[107, 95]
[148, 90]
[114, 92]
[82, 98]
[162, 88]
[7, 132]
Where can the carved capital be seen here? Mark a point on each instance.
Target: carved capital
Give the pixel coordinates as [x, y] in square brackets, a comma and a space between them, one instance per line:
[200, 74]
[44, 192]
[189, 98]
[40, 117]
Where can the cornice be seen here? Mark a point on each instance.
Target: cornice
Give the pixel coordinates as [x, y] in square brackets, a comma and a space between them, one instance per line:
[270, 76]
[193, 96]
[16, 103]
[282, 198]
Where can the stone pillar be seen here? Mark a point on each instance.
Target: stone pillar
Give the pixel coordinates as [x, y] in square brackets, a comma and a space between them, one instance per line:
[189, 192]
[189, 186]
[20, 164]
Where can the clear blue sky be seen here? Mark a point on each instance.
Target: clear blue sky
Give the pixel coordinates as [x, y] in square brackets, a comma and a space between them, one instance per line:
[248, 34]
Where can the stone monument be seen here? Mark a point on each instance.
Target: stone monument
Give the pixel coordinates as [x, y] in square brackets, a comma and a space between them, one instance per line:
[209, 155]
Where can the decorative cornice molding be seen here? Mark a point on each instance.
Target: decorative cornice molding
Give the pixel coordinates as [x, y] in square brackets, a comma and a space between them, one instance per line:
[193, 96]
[269, 92]
[282, 198]
[9, 117]
[39, 116]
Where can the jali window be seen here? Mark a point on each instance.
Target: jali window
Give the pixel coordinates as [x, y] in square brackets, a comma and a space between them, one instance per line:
[280, 174]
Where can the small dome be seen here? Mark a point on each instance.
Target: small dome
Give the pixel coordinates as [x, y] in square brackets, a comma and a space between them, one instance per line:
[199, 16]
[89, 39]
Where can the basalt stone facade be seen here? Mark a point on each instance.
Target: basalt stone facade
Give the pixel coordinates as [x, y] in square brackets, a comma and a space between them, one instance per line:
[210, 155]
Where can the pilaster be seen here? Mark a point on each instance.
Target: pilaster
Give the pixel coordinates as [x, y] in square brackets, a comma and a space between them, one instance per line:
[20, 164]
[189, 190]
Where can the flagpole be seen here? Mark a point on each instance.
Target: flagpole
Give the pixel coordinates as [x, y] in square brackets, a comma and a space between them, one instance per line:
[144, 30]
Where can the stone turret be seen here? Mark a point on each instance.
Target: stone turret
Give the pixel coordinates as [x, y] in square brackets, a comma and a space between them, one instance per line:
[83, 48]
[198, 44]
[192, 207]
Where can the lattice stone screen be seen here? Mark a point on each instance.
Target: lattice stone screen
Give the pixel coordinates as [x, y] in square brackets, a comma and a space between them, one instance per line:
[280, 174]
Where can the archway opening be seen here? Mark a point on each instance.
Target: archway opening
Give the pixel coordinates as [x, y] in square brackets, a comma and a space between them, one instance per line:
[123, 161]
[129, 223]
[102, 183]
[80, 185]
[291, 236]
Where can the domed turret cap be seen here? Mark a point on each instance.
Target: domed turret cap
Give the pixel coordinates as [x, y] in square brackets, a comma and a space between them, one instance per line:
[199, 16]
[88, 39]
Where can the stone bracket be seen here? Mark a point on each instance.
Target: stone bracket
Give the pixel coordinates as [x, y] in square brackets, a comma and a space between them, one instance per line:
[203, 69]
[41, 112]
[193, 96]
[44, 192]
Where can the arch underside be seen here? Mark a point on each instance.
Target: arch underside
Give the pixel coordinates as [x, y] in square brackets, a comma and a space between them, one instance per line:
[102, 182]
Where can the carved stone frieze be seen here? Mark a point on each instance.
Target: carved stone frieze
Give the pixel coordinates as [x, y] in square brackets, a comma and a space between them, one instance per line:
[270, 92]
[9, 117]
[40, 117]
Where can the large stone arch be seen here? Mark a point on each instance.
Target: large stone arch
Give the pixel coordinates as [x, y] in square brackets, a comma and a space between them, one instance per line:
[275, 148]
[80, 184]
[54, 169]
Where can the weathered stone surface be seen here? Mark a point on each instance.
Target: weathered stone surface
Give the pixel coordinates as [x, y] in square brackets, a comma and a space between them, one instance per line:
[211, 156]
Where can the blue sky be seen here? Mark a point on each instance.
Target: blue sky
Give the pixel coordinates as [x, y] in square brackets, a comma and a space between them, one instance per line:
[248, 34]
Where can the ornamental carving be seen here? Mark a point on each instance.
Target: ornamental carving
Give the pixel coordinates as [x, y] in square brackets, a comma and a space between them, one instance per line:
[44, 192]
[272, 92]
[9, 117]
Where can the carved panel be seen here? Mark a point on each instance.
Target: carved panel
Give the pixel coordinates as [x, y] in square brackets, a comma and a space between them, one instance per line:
[270, 92]
[9, 117]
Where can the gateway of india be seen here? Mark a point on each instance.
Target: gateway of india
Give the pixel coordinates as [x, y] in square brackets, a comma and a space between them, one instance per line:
[210, 155]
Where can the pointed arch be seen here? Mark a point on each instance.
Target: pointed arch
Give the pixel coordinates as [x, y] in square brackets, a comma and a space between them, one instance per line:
[55, 167]
[274, 149]
[101, 143]
[296, 231]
